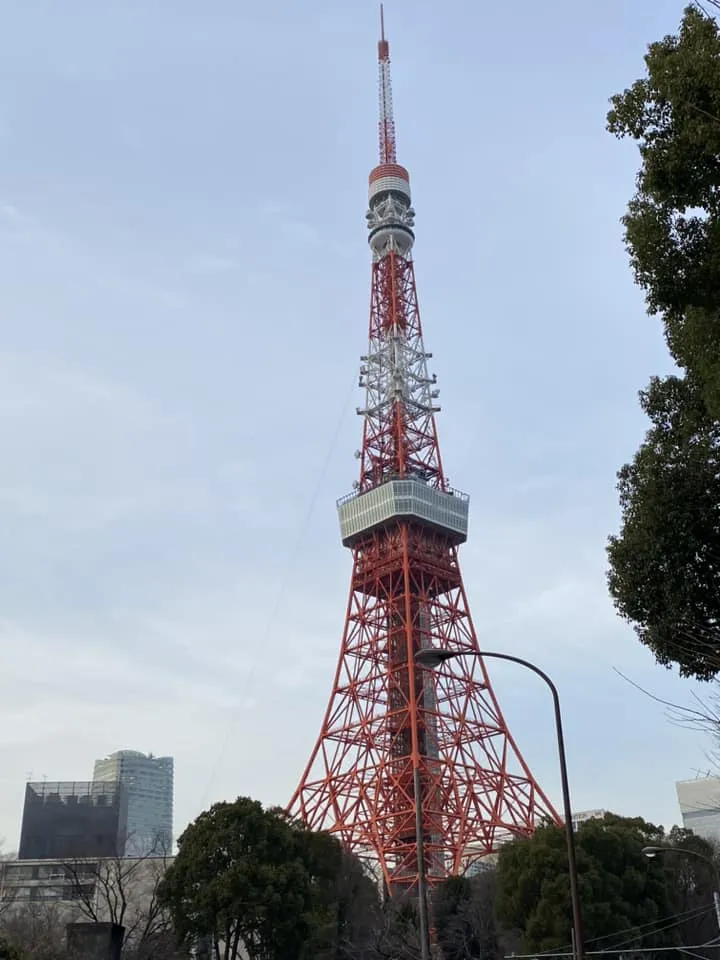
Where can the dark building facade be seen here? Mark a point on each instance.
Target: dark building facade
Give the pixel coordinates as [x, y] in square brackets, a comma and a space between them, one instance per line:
[73, 821]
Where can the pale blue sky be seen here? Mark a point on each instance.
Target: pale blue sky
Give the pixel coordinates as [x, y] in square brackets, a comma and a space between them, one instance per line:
[183, 302]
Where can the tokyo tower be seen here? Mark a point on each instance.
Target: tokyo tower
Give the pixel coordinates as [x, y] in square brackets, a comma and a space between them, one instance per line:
[390, 724]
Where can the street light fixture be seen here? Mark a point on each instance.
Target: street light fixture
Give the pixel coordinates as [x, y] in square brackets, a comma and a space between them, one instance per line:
[651, 852]
[431, 658]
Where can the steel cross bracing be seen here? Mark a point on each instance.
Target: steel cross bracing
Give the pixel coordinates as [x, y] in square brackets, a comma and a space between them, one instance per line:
[476, 789]
[387, 719]
[399, 436]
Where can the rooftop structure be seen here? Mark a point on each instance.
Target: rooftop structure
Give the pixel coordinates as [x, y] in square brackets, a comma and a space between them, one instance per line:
[73, 820]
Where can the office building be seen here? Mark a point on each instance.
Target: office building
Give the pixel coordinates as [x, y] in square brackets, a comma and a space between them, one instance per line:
[483, 863]
[73, 821]
[96, 881]
[148, 781]
[582, 816]
[699, 801]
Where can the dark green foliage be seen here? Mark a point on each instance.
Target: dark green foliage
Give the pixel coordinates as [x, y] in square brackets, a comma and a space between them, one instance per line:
[347, 906]
[663, 565]
[618, 889]
[672, 226]
[251, 879]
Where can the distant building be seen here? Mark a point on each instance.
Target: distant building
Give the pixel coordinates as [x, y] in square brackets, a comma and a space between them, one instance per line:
[148, 781]
[700, 806]
[67, 821]
[96, 881]
[583, 815]
[484, 863]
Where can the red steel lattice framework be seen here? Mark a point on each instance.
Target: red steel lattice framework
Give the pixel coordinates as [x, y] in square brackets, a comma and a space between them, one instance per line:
[386, 717]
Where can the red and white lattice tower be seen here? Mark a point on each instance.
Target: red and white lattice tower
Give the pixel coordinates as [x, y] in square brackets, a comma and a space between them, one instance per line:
[404, 523]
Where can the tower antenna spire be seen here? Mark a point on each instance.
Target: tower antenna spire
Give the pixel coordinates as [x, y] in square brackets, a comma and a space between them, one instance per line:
[386, 121]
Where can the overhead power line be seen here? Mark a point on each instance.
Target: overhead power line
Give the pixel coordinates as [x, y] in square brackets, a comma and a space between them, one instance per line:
[617, 953]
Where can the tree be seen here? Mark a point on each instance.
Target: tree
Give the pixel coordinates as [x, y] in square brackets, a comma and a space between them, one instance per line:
[250, 879]
[672, 226]
[464, 911]
[396, 930]
[690, 882]
[620, 890]
[347, 906]
[34, 929]
[118, 890]
[125, 891]
[7, 893]
[4, 856]
[664, 563]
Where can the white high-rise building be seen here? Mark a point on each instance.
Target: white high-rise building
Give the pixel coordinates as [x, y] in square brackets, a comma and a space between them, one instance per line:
[700, 806]
[148, 782]
[582, 816]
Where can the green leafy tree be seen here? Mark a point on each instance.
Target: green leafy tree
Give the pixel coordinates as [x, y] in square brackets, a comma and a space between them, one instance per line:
[618, 889]
[252, 881]
[665, 564]
[347, 904]
[672, 226]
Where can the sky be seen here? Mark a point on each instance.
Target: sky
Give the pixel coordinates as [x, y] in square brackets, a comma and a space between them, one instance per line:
[184, 282]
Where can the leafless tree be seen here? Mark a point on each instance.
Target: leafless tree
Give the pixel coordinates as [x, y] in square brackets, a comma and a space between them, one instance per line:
[465, 918]
[4, 855]
[392, 933]
[36, 929]
[7, 893]
[472, 930]
[701, 713]
[125, 891]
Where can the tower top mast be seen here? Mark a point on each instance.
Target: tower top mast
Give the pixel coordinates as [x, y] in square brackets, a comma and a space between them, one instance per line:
[386, 122]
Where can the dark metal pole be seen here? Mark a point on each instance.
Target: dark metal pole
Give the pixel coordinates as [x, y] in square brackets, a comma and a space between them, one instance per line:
[579, 944]
[434, 658]
[422, 881]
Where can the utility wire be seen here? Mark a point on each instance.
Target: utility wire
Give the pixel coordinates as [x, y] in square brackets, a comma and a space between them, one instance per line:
[638, 928]
[280, 593]
[616, 953]
[700, 914]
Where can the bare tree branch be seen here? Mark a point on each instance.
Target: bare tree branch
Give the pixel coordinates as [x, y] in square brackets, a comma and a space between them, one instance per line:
[125, 891]
[704, 717]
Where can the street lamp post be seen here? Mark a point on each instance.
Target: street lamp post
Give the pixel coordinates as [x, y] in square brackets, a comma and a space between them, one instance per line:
[654, 851]
[431, 658]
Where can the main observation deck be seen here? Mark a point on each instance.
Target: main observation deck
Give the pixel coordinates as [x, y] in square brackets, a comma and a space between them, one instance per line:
[362, 513]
